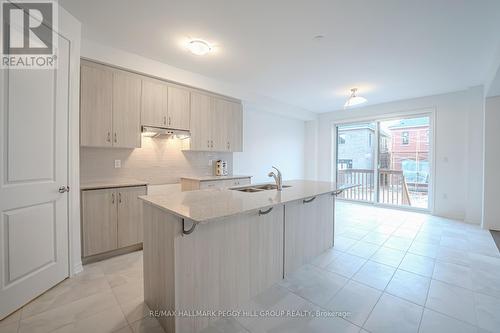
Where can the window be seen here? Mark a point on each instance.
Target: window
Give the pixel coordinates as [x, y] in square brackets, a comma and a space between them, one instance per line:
[341, 139]
[405, 137]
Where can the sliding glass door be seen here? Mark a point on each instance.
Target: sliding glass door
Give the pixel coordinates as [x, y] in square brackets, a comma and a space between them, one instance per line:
[389, 160]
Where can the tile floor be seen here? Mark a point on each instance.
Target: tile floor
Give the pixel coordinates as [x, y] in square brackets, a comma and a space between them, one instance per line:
[390, 271]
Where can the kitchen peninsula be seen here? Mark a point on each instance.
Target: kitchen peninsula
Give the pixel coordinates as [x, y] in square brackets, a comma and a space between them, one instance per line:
[214, 249]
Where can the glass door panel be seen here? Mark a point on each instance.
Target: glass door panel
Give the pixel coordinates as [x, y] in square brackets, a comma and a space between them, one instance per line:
[403, 168]
[356, 145]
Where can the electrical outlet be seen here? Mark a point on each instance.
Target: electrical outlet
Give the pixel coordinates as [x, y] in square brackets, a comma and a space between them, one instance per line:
[118, 164]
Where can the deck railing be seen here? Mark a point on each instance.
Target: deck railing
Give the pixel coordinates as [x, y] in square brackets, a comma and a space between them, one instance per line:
[393, 188]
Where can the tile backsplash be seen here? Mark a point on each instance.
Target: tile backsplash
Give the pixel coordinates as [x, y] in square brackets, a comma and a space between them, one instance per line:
[159, 161]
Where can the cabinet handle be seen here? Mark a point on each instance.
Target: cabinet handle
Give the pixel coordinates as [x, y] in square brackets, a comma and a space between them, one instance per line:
[116, 139]
[212, 145]
[113, 198]
[108, 138]
[164, 120]
[308, 201]
[208, 143]
[120, 197]
[169, 120]
[265, 211]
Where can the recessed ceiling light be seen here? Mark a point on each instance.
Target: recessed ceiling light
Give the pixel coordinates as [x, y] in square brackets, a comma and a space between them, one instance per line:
[199, 47]
[353, 99]
[319, 37]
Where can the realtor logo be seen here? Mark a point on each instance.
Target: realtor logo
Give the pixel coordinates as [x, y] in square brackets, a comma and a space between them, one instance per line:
[28, 38]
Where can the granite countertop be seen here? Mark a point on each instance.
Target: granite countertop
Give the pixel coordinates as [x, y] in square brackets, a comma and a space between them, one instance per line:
[212, 204]
[208, 178]
[111, 183]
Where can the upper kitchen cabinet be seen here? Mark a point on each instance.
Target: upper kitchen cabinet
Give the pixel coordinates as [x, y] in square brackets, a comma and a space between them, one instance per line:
[236, 143]
[110, 105]
[96, 105]
[126, 110]
[228, 126]
[216, 124]
[164, 105]
[201, 122]
[153, 107]
[178, 107]
[115, 103]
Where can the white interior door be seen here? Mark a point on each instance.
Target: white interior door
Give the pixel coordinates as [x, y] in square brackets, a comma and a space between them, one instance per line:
[33, 165]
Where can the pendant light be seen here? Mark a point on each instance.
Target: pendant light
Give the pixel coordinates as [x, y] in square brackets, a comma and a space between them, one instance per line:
[353, 99]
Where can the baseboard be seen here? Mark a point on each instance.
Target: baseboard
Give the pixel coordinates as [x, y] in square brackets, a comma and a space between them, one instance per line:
[113, 253]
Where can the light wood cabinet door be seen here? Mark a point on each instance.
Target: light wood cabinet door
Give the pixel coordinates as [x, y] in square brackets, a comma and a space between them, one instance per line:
[227, 127]
[236, 182]
[153, 107]
[236, 128]
[99, 221]
[201, 122]
[308, 230]
[96, 102]
[178, 100]
[126, 110]
[130, 215]
[221, 117]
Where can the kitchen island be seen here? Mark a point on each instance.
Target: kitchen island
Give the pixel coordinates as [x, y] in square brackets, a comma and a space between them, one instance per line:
[212, 250]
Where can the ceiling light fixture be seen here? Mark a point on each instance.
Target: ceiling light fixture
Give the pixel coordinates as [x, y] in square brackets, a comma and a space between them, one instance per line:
[199, 47]
[353, 99]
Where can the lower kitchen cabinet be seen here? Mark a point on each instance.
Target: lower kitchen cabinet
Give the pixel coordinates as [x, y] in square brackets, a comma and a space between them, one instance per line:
[190, 184]
[111, 219]
[130, 216]
[99, 229]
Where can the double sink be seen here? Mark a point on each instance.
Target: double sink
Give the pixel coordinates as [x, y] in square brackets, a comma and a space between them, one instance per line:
[258, 188]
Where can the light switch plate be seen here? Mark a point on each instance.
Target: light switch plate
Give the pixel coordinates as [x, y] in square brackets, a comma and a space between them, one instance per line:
[118, 164]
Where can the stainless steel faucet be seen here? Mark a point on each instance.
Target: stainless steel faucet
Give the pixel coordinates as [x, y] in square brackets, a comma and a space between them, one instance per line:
[277, 178]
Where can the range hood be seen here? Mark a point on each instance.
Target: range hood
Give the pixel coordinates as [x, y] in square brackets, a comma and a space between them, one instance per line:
[152, 131]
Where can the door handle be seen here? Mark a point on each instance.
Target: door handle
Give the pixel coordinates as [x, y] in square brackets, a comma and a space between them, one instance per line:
[63, 189]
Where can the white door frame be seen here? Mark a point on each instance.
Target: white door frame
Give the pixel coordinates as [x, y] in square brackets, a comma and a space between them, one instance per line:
[70, 28]
[431, 113]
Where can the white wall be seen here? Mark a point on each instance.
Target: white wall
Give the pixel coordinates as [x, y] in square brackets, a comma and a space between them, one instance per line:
[458, 147]
[491, 210]
[311, 149]
[270, 139]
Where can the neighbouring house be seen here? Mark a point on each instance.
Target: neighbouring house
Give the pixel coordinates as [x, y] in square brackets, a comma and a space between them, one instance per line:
[409, 149]
[356, 146]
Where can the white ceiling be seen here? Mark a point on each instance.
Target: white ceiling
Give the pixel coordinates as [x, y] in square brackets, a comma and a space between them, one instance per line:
[389, 49]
